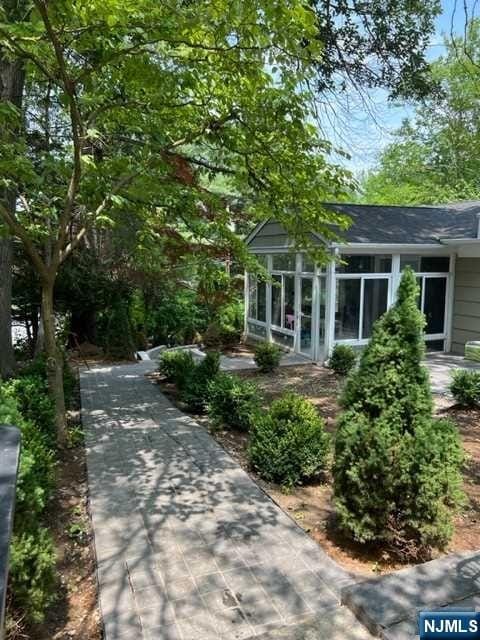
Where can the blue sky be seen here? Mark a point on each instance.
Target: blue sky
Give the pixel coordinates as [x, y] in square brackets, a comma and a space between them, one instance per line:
[363, 130]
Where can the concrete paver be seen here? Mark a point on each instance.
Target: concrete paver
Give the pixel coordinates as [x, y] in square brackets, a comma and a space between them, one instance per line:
[187, 545]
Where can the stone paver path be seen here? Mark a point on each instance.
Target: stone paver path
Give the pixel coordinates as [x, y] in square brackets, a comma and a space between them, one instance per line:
[188, 546]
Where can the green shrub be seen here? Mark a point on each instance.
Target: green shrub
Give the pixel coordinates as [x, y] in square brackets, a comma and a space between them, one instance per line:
[232, 402]
[194, 391]
[32, 559]
[343, 359]
[289, 443]
[267, 356]
[32, 571]
[176, 365]
[34, 403]
[465, 387]
[119, 339]
[397, 469]
[226, 329]
[38, 367]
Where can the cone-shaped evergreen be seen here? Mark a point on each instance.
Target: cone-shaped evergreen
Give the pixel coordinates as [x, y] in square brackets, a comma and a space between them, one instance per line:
[397, 469]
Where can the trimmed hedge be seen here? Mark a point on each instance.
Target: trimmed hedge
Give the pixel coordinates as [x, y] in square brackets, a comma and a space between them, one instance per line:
[232, 402]
[465, 387]
[267, 356]
[343, 359]
[289, 443]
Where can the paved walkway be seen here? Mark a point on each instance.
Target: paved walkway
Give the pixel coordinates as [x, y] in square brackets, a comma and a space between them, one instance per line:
[441, 367]
[188, 546]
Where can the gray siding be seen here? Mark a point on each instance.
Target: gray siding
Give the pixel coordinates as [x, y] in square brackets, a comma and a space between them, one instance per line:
[272, 235]
[466, 305]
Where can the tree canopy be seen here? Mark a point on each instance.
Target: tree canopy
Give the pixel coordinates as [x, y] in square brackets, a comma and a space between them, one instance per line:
[434, 157]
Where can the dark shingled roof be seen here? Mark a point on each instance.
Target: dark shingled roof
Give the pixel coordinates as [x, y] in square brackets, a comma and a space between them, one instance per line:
[385, 224]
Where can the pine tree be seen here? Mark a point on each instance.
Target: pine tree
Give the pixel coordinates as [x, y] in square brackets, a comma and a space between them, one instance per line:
[397, 469]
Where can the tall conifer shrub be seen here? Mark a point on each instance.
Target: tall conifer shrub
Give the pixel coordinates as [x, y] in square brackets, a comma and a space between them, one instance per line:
[397, 469]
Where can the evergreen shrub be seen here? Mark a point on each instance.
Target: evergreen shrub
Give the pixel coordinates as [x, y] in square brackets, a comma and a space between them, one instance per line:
[465, 387]
[176, 365]
[232, 402]
[267, 356]
[289, 443]
[397, 470]
[195, 388]
[343, 359]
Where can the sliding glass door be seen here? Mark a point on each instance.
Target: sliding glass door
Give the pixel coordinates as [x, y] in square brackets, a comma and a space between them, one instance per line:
[306, 316]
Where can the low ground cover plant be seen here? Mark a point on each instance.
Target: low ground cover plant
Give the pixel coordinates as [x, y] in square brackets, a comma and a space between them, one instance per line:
[465, 387]
[289, 444]
[267, 356]
[397, 469]
[343, 359]
[233, 402]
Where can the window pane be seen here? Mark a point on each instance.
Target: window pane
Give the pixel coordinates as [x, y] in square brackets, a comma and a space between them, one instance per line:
[262, 258]
[284, 262]
[347, 314]
[365, 264]
[434, 304]
[410, 261]
[252, 297]
[262, 301]
[308, 265]
[432, 264]
[420, 291]
[257, 330]
[277, 300]
[427, 264]
[289, 302]
[375, 300]
[322, 303]
[282, 339]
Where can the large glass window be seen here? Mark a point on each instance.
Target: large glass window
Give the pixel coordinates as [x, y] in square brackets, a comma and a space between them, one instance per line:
[283, 262]
[365, 264]
[426, 264]
[347, 312]
[277, 300]
[289, 302]
[257, 299]
[375, 301]
[360, 302]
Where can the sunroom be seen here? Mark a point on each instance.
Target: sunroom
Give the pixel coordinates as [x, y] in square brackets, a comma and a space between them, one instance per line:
[307, 308]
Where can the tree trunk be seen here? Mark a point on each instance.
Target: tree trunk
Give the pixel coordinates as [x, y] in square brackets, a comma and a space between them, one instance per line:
[54, 360]
[11, 90]
[7, 359]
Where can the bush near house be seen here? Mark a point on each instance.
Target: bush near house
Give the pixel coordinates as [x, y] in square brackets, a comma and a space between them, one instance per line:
[232, 402]
[267, 356]
[343, 359]
[194, 389]
[176, 365]
[465, 387]
[289, 443]
[397, 469]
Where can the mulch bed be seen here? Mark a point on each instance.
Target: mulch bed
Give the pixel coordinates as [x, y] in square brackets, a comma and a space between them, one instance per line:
[312, 505]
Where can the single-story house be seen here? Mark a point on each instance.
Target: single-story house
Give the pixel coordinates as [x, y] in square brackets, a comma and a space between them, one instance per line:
[307, 308]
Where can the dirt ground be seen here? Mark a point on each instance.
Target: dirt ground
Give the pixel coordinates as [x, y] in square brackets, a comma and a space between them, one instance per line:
[312, 505]
[74, 614]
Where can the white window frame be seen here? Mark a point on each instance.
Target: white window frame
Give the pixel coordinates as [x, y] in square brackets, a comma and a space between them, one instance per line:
[362, 277]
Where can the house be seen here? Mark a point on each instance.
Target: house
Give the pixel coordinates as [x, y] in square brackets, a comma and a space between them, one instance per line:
[307, 308]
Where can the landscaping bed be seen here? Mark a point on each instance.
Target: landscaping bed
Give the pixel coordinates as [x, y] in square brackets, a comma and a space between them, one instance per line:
[311, 505]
